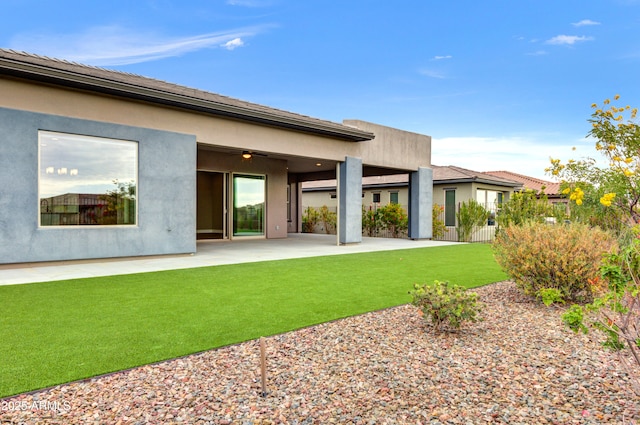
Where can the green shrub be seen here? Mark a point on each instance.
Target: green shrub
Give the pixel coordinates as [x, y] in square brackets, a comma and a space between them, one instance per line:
[576, 316]
[328, 219]
[371, 221]
[395, 219]
[527, 206]
[447, 306]
[563, 257]
[573, 318]
[616, 310]
[470, 216]
[438, 229]
[310, 218]
[550, 296]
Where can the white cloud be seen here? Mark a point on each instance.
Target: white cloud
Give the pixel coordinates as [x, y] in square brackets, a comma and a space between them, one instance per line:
[114, 45]
[568, 39]
[585, 22]
[432, 73]
[437, 58]
[526, 156]
[232, 44]
[538, 53]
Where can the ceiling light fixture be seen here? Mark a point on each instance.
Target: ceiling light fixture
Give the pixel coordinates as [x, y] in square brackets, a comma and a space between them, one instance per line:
[246, 155]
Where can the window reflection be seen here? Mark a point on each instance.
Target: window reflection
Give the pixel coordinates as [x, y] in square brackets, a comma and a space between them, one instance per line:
[248, 205]
[86, 180]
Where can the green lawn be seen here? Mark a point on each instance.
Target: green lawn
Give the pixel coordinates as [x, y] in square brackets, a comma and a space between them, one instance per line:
[57, 332]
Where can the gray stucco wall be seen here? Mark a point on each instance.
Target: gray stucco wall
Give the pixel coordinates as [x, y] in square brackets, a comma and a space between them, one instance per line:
[350, 202]
[166, 194]
[421, 204]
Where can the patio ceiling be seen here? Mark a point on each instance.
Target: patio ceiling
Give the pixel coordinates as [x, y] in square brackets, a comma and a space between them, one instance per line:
[306, 168]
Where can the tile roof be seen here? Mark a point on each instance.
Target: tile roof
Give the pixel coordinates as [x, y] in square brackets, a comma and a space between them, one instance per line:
[71, 74]
[550, 188]
[441, 175]
[451, 173]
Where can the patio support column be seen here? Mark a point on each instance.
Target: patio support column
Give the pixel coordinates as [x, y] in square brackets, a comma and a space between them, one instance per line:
[350, 201]
[420, 203]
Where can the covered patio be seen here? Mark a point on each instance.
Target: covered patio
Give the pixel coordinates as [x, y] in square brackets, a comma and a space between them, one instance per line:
[119, 165]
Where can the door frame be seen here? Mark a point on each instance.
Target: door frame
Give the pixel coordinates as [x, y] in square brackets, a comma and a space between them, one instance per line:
[224, 208]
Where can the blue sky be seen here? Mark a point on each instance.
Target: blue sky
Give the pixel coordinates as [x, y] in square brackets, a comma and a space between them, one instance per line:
[498, 84]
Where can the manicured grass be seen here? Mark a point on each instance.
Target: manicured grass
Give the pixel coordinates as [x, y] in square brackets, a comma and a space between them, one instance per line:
[62, 331]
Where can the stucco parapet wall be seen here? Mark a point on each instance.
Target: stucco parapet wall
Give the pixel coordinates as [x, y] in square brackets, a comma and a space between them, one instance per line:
[78, 76]
[392, 147]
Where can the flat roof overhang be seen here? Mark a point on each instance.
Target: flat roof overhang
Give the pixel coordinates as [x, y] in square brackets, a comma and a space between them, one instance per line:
[114, 83]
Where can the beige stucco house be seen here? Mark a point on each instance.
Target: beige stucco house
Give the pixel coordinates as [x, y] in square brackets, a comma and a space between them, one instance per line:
[451, 186]
[98, 163]
[449, 182]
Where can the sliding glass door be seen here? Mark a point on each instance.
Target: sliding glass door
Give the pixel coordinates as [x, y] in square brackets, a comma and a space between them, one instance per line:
[248, 205]
[212, 205]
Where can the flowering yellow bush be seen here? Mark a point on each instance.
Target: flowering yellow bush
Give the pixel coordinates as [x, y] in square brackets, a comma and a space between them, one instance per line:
[616, 310]
[607, 198]
[617, 187]
[577, 195]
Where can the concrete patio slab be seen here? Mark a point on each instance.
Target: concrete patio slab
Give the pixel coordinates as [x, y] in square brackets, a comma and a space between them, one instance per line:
[210, 253]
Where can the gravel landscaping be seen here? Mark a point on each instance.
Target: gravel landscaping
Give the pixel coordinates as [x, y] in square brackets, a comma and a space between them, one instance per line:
[518, 366]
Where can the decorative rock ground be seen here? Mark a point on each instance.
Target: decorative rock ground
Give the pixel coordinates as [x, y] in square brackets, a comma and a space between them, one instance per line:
[518, 366]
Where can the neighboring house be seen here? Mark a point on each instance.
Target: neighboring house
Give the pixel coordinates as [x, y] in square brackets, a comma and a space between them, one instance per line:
[451, 186]
[550, 189]
[98, 163]
[376, 191]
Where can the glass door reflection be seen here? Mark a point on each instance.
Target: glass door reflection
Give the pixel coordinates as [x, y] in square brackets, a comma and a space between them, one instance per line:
[248, 205]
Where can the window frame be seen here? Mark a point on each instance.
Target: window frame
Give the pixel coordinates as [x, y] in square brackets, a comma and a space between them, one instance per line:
[247, 235]
[91, 139]
[449, 208]
[397, 196]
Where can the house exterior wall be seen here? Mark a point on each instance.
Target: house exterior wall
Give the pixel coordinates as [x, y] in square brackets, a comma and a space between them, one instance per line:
[408, 152]
[173, 144]
[393, 148]
[464, 192]
[507, 191]
[385, 196]
[320, 198]
[165, 171]
[209, 130]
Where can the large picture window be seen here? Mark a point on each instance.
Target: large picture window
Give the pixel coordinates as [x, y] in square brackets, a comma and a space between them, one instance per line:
[86, 180]
[248, 205]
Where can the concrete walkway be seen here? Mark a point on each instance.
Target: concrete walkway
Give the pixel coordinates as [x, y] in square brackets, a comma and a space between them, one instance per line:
[210, 253]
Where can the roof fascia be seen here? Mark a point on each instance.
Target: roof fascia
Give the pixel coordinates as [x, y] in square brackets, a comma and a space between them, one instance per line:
[476, 180]
[450, 181]
[498, 183]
